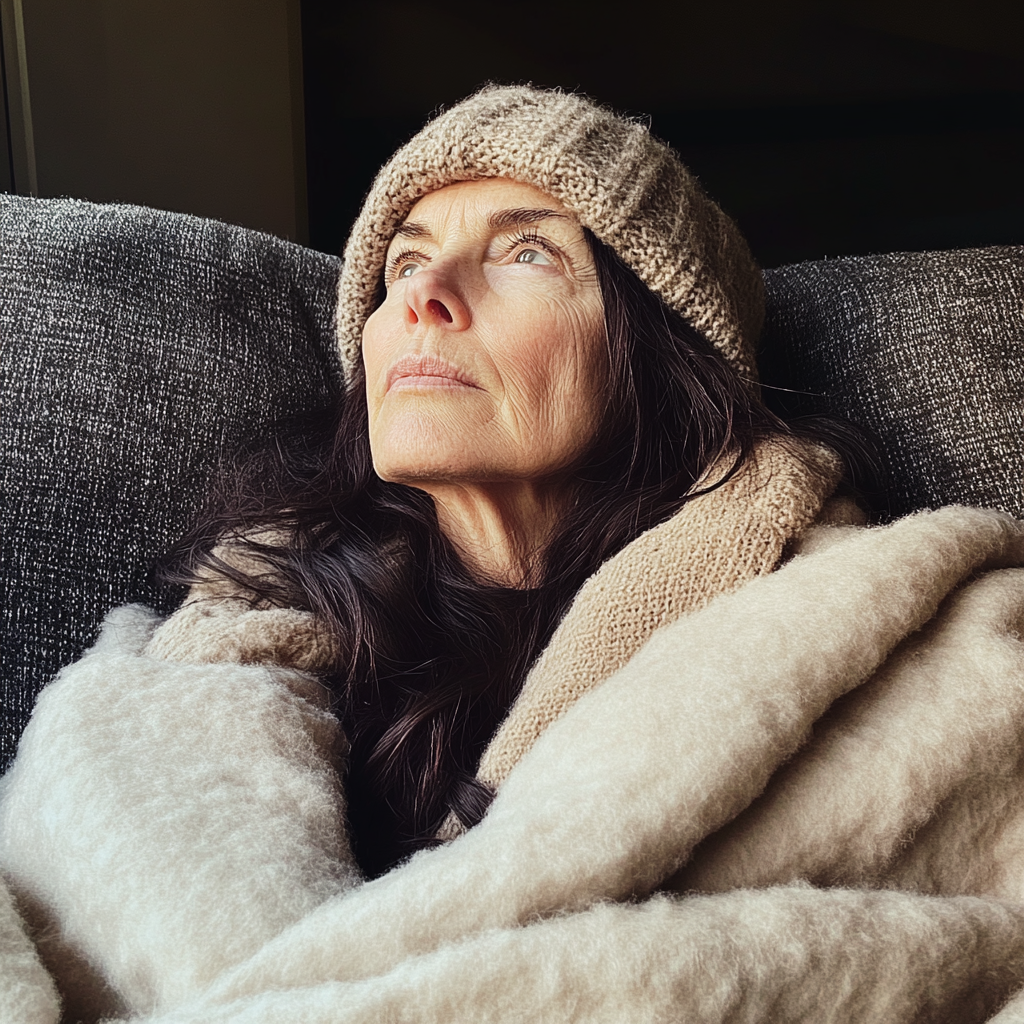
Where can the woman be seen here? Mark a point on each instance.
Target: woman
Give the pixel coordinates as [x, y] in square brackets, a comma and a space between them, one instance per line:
[537, 405]
[551, 422]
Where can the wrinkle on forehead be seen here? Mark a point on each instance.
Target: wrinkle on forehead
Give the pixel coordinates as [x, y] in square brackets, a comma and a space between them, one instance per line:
[519, 205]
[499, 220]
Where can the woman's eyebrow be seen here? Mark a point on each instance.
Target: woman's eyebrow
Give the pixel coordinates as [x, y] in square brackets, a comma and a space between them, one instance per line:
[502, 220]
[410, 229]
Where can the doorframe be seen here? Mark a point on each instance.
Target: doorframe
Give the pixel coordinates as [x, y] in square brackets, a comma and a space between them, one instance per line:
[17, 101]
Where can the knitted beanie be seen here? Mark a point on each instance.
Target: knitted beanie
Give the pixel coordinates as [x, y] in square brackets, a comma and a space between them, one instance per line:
[628, 188]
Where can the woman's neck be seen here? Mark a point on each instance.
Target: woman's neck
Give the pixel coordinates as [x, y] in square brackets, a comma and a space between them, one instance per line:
[499, 530]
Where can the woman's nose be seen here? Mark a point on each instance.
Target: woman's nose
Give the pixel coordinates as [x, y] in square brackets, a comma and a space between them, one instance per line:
[430, 300]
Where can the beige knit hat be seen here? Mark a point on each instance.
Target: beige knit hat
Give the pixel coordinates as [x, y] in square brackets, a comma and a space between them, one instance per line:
[628, 188]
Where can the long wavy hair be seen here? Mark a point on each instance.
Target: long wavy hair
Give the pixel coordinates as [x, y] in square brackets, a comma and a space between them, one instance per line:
[431, 657]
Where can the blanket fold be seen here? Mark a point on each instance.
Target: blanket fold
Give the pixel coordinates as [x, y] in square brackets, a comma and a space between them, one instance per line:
[163, 823]
[615, 795]
[181, 828]
[739, 958]
[903, 734]
[27, 993]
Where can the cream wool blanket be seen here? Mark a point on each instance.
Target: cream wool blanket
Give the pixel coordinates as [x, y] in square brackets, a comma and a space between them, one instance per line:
[832, 755]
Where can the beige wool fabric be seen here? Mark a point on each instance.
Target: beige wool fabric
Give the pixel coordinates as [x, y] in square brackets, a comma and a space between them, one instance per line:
[27, 993]
[714, 545]
[856, 716]
[627, 187]
[538, 913]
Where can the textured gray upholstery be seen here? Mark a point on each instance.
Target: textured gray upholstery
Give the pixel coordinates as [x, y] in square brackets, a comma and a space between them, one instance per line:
[137, 346]
[924, 349]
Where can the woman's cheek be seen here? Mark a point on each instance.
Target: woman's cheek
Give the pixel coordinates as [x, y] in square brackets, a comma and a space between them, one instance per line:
[542, 378]
[377, 349]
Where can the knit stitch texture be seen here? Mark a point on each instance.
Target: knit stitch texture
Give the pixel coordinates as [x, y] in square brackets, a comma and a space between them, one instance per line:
[714, 545]
[627, 187]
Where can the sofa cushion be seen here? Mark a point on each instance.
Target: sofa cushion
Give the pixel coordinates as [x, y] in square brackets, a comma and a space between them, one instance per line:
[926, 350]
[135, 348]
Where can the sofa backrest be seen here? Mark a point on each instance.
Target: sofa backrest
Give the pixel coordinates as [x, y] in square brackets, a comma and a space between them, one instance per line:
[137, 347]
[926, 351]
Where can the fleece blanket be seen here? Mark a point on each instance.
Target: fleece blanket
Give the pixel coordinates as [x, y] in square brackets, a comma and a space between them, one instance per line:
[802, 802]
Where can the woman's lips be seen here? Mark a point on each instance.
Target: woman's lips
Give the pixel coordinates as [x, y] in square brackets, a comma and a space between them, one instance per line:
[427, 372]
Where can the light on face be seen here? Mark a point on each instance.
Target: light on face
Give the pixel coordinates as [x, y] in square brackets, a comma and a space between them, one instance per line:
[491, 366]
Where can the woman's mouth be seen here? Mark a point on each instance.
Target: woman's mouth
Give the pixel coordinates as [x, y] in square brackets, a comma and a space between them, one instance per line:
[421, 371]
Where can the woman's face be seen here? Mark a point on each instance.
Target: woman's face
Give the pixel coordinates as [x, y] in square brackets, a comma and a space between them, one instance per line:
[486, 363]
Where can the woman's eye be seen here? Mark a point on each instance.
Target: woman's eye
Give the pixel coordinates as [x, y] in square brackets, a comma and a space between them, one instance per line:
[532, 256]
[408, 270]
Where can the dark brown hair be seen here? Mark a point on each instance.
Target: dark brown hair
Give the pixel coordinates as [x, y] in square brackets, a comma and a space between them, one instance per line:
[431, 657]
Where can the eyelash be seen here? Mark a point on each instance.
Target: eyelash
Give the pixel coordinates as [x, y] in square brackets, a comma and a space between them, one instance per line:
[394, 265]
[396, 262]
[532, 238]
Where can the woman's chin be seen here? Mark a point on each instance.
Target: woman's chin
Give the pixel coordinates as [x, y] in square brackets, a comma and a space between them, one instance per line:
[423, 461]
[435, 436]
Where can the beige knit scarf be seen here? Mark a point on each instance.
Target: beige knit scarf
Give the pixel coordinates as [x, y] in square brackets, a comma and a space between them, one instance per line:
[715, 544]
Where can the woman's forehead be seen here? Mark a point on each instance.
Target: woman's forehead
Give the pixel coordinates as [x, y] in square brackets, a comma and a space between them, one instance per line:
[496, 203]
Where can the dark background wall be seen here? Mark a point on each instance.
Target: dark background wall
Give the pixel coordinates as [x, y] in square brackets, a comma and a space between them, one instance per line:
[189, 105]
[824, 128]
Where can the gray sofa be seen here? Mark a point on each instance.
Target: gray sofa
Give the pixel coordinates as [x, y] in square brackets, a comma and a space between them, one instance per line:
[138, 347]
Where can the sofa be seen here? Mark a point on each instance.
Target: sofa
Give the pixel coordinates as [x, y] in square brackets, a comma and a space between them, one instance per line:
[140, 348]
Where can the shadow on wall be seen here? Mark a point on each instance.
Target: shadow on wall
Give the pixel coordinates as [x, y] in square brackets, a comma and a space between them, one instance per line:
[869, 128]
